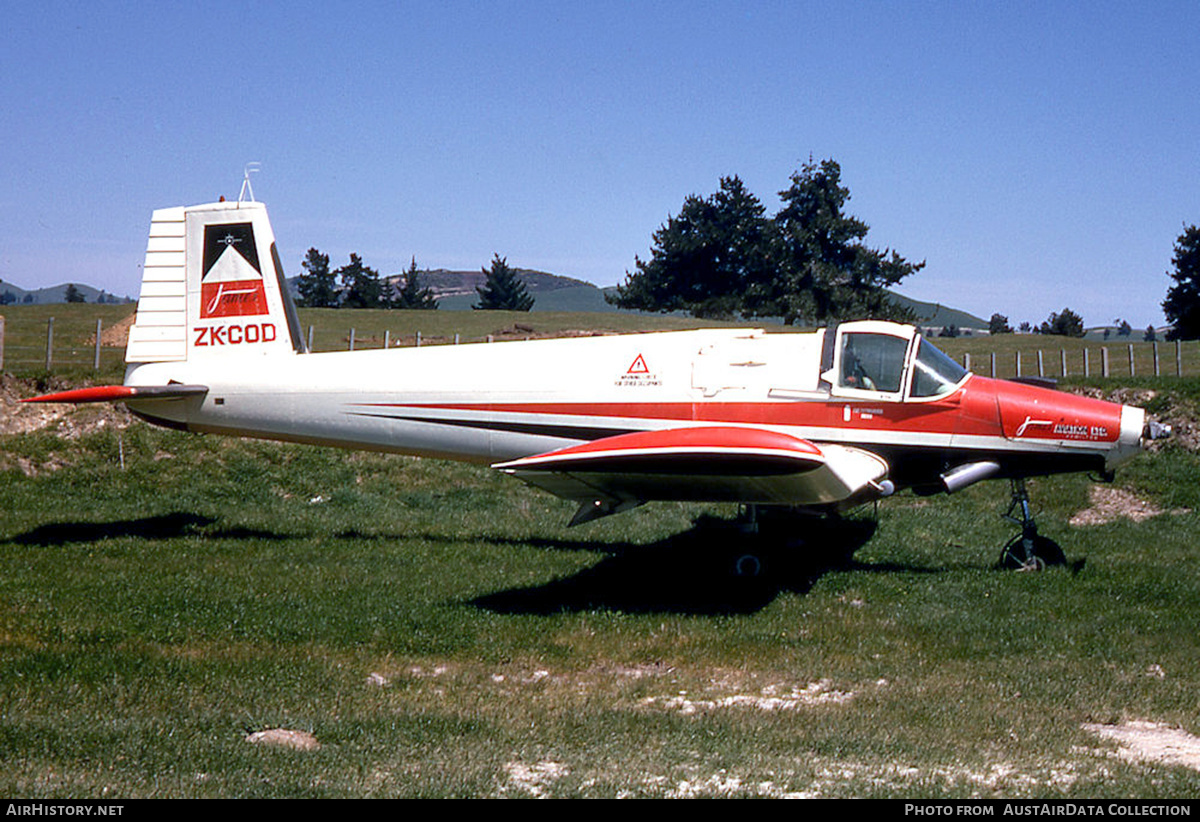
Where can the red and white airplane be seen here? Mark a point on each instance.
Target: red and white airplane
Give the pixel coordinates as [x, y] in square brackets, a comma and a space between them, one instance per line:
[822, 421]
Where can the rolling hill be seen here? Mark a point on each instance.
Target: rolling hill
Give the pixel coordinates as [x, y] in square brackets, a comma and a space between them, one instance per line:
[54, 294]
[455, 291]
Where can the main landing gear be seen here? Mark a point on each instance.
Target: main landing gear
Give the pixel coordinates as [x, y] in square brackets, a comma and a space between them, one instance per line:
[748, 564]
[1029, 550]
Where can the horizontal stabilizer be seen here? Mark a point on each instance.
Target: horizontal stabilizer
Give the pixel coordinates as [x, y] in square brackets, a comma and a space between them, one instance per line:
[703, 464]
[122, 393]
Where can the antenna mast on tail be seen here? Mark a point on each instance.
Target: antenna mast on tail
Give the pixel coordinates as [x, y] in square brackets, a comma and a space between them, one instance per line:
[246, 189]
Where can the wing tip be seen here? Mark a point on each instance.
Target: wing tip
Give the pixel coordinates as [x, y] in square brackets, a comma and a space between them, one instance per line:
[119, 393]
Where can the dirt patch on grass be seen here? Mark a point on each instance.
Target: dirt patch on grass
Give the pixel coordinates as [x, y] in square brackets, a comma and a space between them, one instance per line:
[1151, 742]
[533, 780]
[829, 778]
[115, 336]
[770, 698]
[69, 421]
[1167, 407]
[520, 331]
[284, 738]
[1110, 504]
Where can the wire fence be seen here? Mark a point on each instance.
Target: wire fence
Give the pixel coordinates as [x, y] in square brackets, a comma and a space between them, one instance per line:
[50, 344]
[1134, 359]
[53, 344]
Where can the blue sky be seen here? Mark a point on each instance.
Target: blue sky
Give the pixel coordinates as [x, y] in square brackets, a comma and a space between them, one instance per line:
[1036, 156]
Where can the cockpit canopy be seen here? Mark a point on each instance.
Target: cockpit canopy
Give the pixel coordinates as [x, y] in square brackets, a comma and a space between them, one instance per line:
[888, 361]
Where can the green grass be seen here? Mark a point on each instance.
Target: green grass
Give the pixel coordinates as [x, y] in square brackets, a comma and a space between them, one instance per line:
[441, 633]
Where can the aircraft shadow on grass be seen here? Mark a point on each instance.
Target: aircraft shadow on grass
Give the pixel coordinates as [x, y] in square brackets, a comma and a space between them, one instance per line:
[163, 526]
[712, 568]
[706, 570]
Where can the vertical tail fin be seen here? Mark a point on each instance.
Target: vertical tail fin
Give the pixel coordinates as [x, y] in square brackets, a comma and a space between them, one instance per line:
[212, 285]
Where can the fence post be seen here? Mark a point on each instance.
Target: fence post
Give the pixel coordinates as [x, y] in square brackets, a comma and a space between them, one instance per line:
[456, 338]
[1018, 363]
[1041, 364]
[1062, 355]
[1104, 361]
[1154, 345]
[418, 339]
[966, 362]
[1178, 358]
[1132, 369]
[1087, 364]
[387, 340]
[351, 339]
[96, 358]
[49, 342]
[310, 338]
[1, 343]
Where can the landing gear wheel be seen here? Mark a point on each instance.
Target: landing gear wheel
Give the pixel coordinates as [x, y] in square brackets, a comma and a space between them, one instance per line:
[1029, 550]
[1036, 556]
[747, 565]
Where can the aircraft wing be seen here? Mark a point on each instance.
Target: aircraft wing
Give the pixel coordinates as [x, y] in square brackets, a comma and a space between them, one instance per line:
[709, 464]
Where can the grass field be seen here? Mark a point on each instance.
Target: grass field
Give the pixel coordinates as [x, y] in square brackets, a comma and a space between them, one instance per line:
[420, 628]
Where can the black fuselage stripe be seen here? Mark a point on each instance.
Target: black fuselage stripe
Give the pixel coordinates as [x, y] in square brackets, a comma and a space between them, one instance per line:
[570, 432]
[909, 463]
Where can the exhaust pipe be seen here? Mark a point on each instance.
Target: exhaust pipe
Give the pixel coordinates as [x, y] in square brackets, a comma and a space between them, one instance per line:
[961, 476]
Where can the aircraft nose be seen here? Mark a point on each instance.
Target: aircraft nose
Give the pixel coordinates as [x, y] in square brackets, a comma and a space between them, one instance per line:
[1133, 425]
[1130, 441]
[1136, 433]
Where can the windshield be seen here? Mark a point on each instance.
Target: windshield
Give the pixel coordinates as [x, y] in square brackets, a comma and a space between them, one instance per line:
[935, 373]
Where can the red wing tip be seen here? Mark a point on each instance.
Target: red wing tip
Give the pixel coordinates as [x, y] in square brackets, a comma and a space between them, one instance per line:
[117, 393]
[100, 393]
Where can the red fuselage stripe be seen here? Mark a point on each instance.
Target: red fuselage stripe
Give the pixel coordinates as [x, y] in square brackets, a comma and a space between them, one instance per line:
[983, 407]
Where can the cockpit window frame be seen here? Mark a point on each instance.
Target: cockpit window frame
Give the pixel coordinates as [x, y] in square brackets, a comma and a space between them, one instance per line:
[914, 367]
[833, 375]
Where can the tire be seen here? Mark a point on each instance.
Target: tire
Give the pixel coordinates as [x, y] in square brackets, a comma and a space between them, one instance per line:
[1046, 552]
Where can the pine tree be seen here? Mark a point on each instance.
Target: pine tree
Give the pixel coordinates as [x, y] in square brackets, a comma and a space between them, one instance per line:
[317, 285]
[825, 271]
[998, 324]
[503, 290]
[361, 286]
[1182, 306]
[1065, 324]
[705, 261]
[411, 295]
[722, 257]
